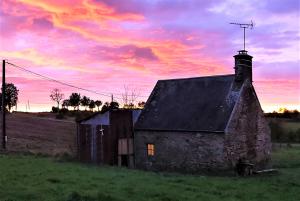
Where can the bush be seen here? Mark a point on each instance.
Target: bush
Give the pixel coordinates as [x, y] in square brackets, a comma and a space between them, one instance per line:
[82, 115]
[64, 110]
[55, 109]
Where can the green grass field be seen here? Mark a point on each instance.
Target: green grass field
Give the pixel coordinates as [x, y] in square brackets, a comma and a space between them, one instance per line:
[33, 178]
[290, 126]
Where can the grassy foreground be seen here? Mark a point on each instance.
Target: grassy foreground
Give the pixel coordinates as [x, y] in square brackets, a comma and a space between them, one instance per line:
[32, 178]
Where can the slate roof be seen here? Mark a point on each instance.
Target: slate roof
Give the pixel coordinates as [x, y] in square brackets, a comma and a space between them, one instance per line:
[190, 104]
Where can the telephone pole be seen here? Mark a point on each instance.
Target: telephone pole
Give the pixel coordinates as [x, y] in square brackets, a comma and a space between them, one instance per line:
[4, 137]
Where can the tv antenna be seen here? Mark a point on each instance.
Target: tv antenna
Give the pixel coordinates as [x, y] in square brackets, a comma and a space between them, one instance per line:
[244, 26]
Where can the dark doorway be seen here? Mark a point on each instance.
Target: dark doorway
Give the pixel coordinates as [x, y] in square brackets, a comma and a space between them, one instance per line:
[124, 160]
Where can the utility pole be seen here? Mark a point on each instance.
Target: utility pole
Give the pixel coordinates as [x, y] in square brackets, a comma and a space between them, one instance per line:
[4, 137]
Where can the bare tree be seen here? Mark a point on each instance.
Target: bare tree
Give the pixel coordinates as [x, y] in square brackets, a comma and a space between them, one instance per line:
[56, 96]
[129, 97]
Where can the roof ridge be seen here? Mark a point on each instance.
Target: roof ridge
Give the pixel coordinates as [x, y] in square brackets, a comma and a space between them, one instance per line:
[191, 78]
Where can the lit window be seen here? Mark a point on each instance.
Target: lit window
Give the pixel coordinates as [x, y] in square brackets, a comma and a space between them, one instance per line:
[150, 149]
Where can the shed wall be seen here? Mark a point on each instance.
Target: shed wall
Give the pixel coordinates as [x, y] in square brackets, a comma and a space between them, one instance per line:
[89, 146]
[104, 149]
[179, 151]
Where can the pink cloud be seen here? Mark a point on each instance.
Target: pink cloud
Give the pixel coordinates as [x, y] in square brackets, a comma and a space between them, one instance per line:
[104, 45]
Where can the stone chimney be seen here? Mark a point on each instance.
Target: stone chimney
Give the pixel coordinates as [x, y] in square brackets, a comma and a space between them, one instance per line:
[243, 66]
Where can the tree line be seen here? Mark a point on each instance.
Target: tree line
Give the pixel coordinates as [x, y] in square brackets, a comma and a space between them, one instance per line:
[284, 113]
[75, 100]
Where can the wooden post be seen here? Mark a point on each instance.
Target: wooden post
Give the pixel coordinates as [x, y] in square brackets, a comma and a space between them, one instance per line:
[128, 154]
[102, 150]
[3, 107]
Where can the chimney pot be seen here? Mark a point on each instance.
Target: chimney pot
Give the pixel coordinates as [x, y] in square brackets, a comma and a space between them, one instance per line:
[243, 66]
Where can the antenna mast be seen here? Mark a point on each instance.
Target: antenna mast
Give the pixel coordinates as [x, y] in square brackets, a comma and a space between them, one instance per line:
[244, 26]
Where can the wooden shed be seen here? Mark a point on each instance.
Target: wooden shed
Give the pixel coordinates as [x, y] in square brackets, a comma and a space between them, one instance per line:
[107, 138]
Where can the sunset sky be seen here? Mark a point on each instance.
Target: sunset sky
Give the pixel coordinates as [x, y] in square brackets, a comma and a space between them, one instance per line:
[104, 45]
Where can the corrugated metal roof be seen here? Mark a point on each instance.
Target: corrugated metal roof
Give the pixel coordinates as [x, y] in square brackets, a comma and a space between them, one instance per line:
[190, 104]
[98, 119]
[104, 119]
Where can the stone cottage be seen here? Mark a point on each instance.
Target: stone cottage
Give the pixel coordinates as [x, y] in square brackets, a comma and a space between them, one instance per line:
[203, 123]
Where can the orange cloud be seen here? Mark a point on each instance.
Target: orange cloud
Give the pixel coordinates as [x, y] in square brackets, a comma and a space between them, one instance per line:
[31, 55]
[38, 59]
[172, 54]
[81, 10]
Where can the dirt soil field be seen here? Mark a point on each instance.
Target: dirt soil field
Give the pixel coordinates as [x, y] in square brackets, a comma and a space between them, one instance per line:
[40, 133]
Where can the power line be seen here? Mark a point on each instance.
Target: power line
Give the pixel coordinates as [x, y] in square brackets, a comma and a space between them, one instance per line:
[63, 83]
[57, 81]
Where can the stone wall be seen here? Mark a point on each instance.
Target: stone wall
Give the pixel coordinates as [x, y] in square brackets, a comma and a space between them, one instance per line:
[179, 151]
[248, 133]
